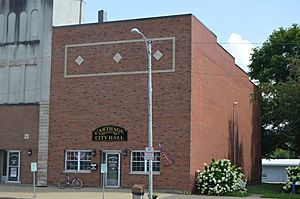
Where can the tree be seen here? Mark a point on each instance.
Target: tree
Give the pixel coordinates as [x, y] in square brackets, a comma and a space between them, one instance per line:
[276, 68]
[280, 154]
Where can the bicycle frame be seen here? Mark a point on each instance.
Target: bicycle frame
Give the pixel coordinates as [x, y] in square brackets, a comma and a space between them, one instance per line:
[67, 180]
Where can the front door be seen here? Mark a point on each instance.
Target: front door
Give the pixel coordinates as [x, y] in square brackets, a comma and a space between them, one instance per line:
[113, 170]
[13, 166]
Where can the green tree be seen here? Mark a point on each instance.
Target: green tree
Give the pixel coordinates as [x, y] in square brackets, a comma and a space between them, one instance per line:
[280, 154]
[276, 68]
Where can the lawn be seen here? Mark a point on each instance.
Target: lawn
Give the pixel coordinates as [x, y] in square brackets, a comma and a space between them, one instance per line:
[271, 191]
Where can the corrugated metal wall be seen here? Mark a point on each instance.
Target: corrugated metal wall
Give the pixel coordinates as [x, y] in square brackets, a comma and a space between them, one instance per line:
[25, 51]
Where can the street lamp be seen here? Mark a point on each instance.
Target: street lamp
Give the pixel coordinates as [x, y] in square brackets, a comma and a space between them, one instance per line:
[234, 132]
[148, 44]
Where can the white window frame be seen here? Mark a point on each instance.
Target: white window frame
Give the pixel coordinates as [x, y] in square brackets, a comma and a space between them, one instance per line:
[145, 163]
[78, 161]
[8, 166]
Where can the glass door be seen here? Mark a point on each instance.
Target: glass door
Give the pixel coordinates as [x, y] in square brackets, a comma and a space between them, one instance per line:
[113, 169]
[13, 166]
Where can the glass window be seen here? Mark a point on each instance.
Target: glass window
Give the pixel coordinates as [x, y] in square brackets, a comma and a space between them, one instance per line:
[140, 164]
[76, 160]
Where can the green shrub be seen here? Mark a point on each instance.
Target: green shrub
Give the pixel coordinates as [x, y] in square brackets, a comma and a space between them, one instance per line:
[292, 173]
[220, 177]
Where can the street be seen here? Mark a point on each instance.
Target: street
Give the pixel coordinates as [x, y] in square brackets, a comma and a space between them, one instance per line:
[52, 192]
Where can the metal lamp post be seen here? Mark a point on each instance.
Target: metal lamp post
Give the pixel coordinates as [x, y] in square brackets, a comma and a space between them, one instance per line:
[234, 132]
[148, 44]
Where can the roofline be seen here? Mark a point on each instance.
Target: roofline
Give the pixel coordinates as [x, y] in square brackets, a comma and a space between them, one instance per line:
[205, 26]
[280, 162]
[125, 20]
[224, 48]
[153, 18]
[240, 68]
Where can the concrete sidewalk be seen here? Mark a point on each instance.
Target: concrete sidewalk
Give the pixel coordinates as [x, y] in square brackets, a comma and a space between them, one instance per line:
[51, 192]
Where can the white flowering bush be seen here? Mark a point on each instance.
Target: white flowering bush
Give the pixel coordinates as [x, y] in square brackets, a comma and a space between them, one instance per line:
[220, 177]
[293, 173]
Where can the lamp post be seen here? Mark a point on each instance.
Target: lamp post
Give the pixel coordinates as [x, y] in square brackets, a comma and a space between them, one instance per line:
[148, 44]
[234, 132]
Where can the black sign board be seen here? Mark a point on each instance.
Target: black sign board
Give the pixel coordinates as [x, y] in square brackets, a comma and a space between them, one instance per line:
[109, 133]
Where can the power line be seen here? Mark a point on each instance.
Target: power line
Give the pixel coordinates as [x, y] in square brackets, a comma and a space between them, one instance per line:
[222, 75]
[43, 88]
[247, 43]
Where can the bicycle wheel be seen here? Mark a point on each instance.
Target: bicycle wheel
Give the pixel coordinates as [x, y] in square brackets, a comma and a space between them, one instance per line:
[62, 182]
[77, 183]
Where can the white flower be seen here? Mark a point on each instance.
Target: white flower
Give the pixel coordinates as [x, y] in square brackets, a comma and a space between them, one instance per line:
[231, 178]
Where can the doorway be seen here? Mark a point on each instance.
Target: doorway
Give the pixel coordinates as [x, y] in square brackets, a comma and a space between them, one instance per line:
[3, 166]
[112, 177]
[13, 166]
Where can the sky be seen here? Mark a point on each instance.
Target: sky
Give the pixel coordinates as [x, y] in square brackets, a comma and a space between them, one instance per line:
[239, 25]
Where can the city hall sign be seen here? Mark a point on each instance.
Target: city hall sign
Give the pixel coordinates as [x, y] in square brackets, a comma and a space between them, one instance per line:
[109, 133]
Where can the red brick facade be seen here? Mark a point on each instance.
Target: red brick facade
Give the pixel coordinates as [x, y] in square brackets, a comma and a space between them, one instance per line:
[194, 86]
[17, 120]
[216, 84]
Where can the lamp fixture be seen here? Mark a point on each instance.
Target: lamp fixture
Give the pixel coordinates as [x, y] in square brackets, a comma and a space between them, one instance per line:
[94, 152]
[29, 152]
[125, 152]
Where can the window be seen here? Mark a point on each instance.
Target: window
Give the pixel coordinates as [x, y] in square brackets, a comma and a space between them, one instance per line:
[140, 165]
[78, 160]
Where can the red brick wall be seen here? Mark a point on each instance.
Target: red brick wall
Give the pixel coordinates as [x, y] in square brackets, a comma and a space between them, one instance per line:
[196, 99]
[81, 104]
[15, 120]
[216, 83]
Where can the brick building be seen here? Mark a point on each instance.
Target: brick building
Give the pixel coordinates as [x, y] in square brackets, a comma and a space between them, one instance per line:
[25, 55]
[98, 103]
[98, 99]
[99, 88]
[25, 62]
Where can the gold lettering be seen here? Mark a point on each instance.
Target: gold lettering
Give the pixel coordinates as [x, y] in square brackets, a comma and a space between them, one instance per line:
[97, 133]
[109, 133]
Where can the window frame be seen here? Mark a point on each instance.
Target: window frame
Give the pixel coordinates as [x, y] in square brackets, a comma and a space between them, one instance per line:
[146, 163]
[78, 160]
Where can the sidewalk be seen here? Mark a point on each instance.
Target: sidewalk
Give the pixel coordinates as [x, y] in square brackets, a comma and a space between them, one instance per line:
[51, 192]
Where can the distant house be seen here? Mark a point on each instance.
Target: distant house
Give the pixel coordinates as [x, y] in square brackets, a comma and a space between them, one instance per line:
[273, 170]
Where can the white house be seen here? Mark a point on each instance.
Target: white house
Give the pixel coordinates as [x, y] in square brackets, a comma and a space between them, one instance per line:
[273, 170]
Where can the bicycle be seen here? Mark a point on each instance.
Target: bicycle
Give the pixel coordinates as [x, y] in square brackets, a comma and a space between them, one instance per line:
[70, 179]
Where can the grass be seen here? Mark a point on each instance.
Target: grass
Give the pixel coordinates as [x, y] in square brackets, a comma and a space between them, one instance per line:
[271, 191]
